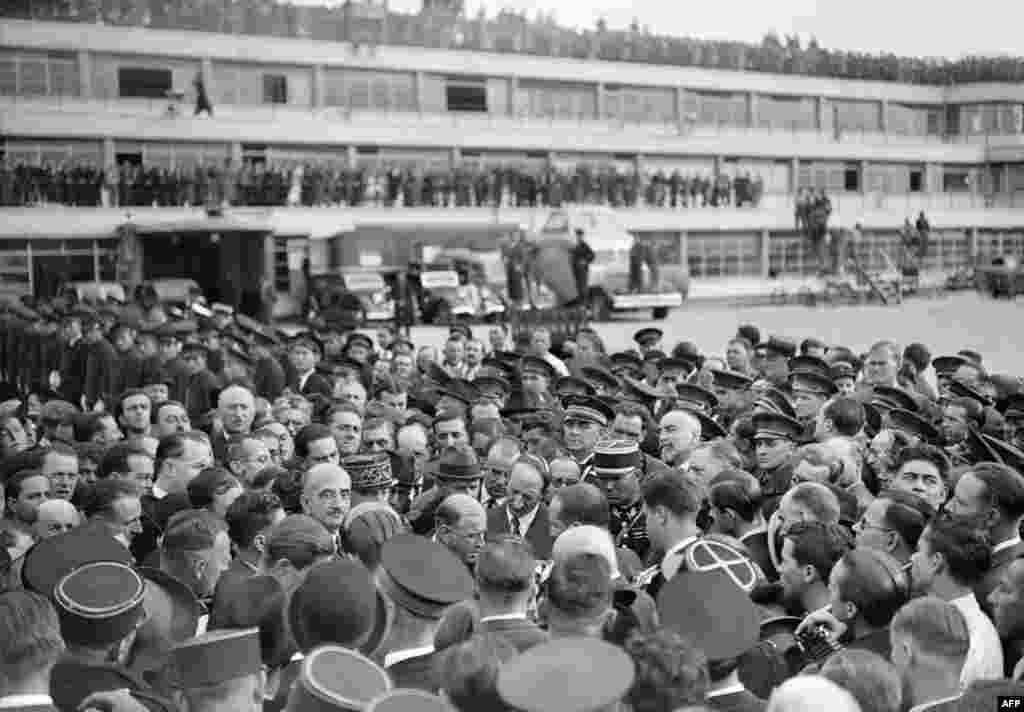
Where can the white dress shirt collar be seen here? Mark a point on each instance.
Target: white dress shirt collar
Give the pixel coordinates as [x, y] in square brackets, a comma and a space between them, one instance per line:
[397, 656]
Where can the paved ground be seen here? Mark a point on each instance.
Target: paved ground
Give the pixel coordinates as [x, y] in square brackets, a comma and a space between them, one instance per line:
[946, 324]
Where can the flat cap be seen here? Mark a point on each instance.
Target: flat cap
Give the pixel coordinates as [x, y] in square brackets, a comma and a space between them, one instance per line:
[408, 700]
[335, 678]
[730, 380]
[913, 425]
[947, 365]
[809, 364]
[573, 386]
[216, 657]
[537, 365]
[710, 605]
[459, 463]
[775, 401]
[616, 458]
[99, 603]
[335, 603]
[369, 471]
[573, 674]
[776, 425]
[777, 345]
[648, 336]
[589, 409]
[423, 576]
[600, 377]
[887, 397]
[813, 382]
[693, 397]
[52, 559]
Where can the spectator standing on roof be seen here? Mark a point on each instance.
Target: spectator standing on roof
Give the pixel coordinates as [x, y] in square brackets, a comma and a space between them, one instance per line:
[202, 99]
[582, 256]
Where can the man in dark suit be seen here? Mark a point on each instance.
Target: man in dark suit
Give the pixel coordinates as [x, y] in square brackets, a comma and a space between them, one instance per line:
[28, 616]
[735, 498]
[304, 353]
[73, 356]
[524, 514]
[505, 579]
[101, 364]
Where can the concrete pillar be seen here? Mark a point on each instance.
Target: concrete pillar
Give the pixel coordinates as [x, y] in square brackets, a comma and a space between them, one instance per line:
[719, 162]
[794, 174]
[972, 243]
[235, 153]
[513, 95]
[751, 110]
[820, 106]
[206, 72]
[455, 156]
[84, 73]
[863, 177]
[599, 89]
[883, 116]
[766, 254]
[352, 157]
[319, 98]
[417, 87]
[684, 248]
[109, 154]
[681, 109]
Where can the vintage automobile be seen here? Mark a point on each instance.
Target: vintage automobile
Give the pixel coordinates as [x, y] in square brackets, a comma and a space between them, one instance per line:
[373, 292]
[448, 298]
[93, 292]
[483, 269]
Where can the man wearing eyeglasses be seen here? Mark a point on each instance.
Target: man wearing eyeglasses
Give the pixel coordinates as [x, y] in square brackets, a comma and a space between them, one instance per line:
[327, 496]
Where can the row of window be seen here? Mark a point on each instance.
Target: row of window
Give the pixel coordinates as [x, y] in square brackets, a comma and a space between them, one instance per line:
[58, 74]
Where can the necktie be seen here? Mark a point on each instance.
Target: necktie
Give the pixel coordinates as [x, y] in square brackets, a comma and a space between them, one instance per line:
[515, 526]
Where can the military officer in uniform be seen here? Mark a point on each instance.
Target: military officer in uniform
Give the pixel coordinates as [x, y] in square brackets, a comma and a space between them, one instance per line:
[775, 438]
[221, 670]
[536, 376]
[616, 465]
[584, 423]
[336, 678]
[649, 339]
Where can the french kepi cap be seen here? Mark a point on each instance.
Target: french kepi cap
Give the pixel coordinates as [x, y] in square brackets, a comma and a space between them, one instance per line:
[588, 409]
[333, 678]
[99, 604]
[52, 559]
[216, 657]
[616, 458]
[423, 576]
[369, 471]
[568, 675]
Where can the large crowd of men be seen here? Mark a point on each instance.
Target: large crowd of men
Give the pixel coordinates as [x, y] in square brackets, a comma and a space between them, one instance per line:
[84, 184]
[203, 515]
[442, 25]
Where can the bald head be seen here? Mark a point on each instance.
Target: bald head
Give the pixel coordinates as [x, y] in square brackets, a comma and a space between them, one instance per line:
[678, 435]
[459, 506]
[55, 516]
[586, 539]
[237, 409]
[327, 495]
[461, 526]
[811, 693]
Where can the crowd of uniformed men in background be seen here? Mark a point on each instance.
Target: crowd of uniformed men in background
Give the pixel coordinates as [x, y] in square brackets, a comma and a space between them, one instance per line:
[201, 514]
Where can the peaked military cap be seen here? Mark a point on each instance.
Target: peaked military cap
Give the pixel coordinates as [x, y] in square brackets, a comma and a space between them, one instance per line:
[99, 603]
[842, 369]
[775, 401]
[51, 559]
[357, 337]
[598, 376]
[570, 385]
[688, 351]
[886, 398]
[408, 700]
[809, 364]
[535, 364]
[972, 356]
[648, 336]
[730, 380]
[913, 425]
[777, 345]
[459, 463]
[959, 389]
[370, 471]
[708, 602]
[461, 390]
[616, 458]
[690, 395]
[681, 365]
[216, 657]
[423, 576]
[812, 381]
[492, 386]
[589, 409]
[573, 674]
[626, 361]
[709, 427]
[947, 365]
[655, 356]
[777, 425]
[1008, 454]
[335, 678]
